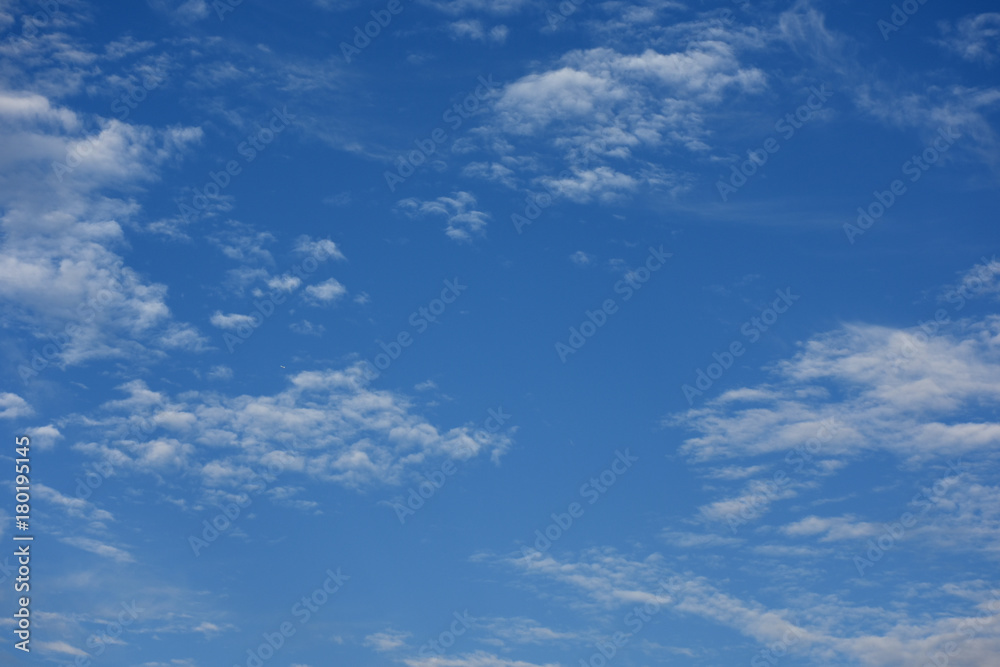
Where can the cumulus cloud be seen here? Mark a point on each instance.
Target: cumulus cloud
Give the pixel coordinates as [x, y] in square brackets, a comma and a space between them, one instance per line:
[612, 114]
[230, 322]
[904, 392]
[44, 437]
[60, 271]
[325, 292]
[13, 406]
[326, 424]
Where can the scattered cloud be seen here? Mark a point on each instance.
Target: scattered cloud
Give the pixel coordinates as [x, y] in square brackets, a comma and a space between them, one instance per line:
[464, 221]
[975, 38]
[386, 641]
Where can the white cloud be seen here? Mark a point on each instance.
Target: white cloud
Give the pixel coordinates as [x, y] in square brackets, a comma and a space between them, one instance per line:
[603, 183]
[230, 322]
[77, 508]
[980, 280]
[927, 108]
[388, 640]
[239, 241]
[473, 29]
[477, 659]
[35, 109]
[60, 647]
[318, 248]
[612, 115]
[99, 548]
[193, 10]
[285, 283]
[455, 7]
[735, 472]
[326, 424]
[340, 199]
[13, 406]
[498, 34]
[60, 274]
[975, 38]
[832, 528]
[491, 171]
[464, 222]
[466, 28]
[580, 258]
[325, 292]
[752, 502]
[307, 328]
[503, 631]
[905, 392]
[825, 626]
[635, 98]
[44, 437]
[686, 540]
[222, 373]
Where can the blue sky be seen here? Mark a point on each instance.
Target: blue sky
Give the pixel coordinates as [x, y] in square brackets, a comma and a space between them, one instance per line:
[508, 334]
